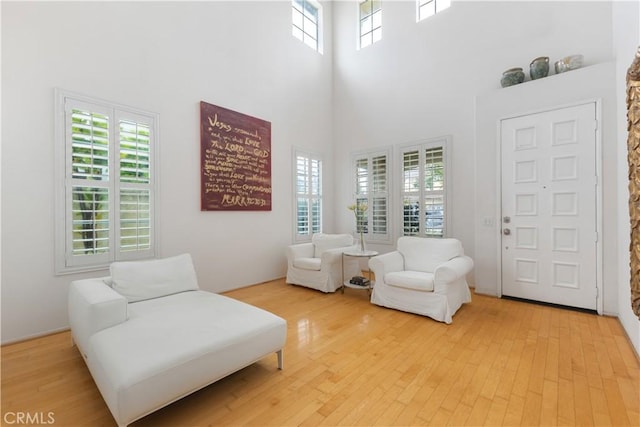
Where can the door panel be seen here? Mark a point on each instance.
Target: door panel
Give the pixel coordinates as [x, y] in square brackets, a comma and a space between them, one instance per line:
[549, 206]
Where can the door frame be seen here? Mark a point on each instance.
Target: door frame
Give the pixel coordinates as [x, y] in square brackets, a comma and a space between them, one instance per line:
[599, 221]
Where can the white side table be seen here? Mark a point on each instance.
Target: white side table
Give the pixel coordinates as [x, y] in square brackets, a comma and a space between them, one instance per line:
[357, 254]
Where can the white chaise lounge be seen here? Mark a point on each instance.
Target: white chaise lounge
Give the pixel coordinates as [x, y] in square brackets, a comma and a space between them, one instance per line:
[149, 336]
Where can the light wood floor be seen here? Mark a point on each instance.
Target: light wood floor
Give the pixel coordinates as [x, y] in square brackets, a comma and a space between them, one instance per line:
[348, 362]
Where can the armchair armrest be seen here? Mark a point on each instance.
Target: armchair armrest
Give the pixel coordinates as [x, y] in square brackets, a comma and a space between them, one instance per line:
[301, 250]
[451, 271]
[93, 306]
[386, 263]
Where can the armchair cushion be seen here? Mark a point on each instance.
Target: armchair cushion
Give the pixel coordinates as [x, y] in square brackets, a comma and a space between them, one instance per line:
[323, 242]
[427, 254]
[417, 280]
[142, 280]
[307, 263]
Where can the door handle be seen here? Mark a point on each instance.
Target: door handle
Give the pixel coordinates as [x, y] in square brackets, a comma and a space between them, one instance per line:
[506, 231]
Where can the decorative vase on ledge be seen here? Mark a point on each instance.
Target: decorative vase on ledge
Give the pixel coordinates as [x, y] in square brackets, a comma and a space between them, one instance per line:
[568, 63]
[512, 76]
[362, 247]
[539, 67]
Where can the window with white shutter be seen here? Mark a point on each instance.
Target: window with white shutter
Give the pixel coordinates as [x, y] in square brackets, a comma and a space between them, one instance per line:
[424, 189]
[308, 195]
[106, 156]
[371, 171]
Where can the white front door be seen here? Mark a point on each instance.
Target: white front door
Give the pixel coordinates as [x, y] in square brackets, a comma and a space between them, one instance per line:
[549, 239]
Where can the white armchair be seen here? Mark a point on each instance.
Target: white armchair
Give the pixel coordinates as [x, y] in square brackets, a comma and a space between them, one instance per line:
[318, 265]
[423, 276]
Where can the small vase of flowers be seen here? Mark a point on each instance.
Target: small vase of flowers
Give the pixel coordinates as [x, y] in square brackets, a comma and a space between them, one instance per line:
[359, 210]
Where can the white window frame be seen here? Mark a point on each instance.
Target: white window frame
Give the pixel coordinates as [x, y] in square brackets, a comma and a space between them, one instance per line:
[302, 25]
[428, 8]
[65, 261]
[369, 196]
[443, 142]
[308, 194]
[369, 24]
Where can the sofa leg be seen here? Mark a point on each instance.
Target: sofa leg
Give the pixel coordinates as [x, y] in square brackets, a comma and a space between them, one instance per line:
[280, 361]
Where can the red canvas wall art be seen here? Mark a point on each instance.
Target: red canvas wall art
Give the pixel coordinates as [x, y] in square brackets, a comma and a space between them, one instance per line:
[235, 160]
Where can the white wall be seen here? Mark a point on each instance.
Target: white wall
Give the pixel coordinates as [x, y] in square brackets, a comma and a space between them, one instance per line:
[163, 57]
[421, 80]
[626, 40]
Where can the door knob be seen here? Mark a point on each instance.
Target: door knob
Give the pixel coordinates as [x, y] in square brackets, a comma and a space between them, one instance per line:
[506, 231]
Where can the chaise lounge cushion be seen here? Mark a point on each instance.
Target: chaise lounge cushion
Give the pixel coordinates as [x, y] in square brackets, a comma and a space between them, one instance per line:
[142, 280]
[171, 347]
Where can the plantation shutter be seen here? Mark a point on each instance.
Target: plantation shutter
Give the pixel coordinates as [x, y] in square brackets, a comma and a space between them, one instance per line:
[379, 196]
[308, 195]
[108, 188]
[316, 194]
[371, 189]
[411, 193]
[135, 185]
[434, 192]
[423, 190]
[363, 177]
[302, 185]
[88, 239]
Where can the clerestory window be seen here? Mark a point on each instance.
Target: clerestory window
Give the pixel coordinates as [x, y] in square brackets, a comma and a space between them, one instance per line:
[306, 22]
[427, 8]
[370, 22]
[107, 183]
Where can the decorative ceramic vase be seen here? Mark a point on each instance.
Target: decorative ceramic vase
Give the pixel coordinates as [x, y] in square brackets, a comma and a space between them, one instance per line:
[539, 67]
[512, 76]
[568, 63]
